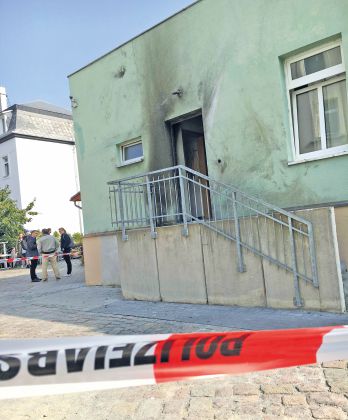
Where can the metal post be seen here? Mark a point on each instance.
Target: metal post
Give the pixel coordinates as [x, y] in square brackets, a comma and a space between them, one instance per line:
[313, 255]
[241, 266]
[149, 202]
[124, 235]
[297, 298]
[183, 203]
[112, 220]
[4, 251]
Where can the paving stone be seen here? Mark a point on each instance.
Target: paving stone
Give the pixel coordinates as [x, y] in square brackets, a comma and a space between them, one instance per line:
[72, 309]
[182, 393]
[272, 417]
[246, 399]
[327, 398]
[170, 417]
[248, 410]
[272, 398]
[294, 400]
[224, 415]
[200, 406]
[124, 408]
[150, 409]
[338, 386]
[312, 387]
[246, 389]
[338, 364]
[336, 374]
[278, 389]
[223, 404]
[297, 412]
[224, 392]
[176, 407]
[202, 391]
[274, 410]
[325, 412]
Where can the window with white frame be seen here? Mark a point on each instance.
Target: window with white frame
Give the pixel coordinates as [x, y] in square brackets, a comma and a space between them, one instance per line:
[5, 166]
[132, 152]
[2, 125]
[317, 88]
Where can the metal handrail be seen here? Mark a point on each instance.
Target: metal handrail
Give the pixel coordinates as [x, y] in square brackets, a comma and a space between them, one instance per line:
[207, 178]
[181, 195]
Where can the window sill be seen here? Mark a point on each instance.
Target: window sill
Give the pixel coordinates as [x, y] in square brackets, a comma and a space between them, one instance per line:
[130, 162]
[298, 161]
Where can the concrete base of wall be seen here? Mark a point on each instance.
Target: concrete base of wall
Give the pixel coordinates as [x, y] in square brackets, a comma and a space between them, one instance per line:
[138, 266]
[101, 260]
[202, 268]
[225, 285]
[341, 217]
[180, 265]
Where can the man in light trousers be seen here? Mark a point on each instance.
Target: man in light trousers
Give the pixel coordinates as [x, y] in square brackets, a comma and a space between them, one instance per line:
[47, 246]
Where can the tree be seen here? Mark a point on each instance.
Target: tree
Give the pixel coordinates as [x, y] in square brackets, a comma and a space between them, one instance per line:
[12, 219]
[77, 238]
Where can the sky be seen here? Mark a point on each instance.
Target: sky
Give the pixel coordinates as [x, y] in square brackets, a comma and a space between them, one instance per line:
[43, 41]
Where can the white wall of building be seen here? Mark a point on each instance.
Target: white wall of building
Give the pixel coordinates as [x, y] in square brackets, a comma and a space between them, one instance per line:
[48, 172]
[8, 148]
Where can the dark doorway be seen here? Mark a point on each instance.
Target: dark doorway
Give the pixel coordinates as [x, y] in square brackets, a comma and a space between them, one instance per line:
[189, 144]
[194, 151]
[189, 147]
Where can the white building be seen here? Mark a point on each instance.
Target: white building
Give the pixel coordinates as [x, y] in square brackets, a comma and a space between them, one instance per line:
[38, 161]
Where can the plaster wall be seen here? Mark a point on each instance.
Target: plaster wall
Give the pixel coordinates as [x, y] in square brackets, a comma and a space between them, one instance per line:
[225, 284]
[101, 260]
[280, 284]
[92, 260]
[227, 56]
[180, 265]
[8, 148]
[47, 172]
[138, 266]
[341, 215]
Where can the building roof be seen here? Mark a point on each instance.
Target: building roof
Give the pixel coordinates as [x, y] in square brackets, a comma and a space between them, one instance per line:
[38, 120]
[45, 106]
[76, 197]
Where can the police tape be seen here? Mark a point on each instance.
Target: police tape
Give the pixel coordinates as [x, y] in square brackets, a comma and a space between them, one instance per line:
[54, 254]
[64, 365]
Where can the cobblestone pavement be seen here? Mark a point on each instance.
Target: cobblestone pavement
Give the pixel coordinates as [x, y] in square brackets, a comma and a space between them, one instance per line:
[69, 308]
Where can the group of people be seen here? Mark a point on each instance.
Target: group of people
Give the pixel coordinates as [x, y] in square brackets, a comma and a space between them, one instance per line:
[47, 246]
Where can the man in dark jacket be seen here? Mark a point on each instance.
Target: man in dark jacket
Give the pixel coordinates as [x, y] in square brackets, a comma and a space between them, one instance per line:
[65, 245]
[33, 252]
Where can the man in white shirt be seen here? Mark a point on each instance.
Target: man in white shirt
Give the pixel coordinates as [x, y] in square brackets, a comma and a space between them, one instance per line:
[47, 246]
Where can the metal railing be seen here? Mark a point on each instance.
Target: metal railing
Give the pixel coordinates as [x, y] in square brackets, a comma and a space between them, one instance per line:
[179, 195]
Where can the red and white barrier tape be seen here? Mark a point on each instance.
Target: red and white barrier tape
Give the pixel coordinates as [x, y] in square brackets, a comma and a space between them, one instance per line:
[55, 366]
[60, 254]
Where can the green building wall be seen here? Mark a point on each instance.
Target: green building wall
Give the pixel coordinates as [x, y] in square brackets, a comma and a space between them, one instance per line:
[227, 56]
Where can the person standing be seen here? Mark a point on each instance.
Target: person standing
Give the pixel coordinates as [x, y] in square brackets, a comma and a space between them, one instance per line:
[66, 243]
[48, 245]
[13, 256]
[32, 252]
[22, 249]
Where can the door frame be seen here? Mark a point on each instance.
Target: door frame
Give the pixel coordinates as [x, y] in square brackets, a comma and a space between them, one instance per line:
[176, 120]
[170, 126]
